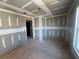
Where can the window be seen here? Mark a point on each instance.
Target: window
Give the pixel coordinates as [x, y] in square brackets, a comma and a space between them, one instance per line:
[76, 33]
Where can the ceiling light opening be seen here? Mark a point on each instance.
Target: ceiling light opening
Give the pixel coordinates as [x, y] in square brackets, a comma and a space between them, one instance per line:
[24, 13]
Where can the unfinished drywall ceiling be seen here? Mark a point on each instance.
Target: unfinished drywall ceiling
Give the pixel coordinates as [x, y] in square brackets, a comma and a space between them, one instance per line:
[18, 3]
[59, 11]
[53, 7]
[56, 5]
[31, 7]
[48, 2]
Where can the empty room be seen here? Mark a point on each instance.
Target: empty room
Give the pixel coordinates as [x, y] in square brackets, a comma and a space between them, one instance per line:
[39, 29]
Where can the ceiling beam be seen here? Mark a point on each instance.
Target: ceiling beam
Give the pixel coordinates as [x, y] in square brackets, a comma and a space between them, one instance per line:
[57, 15]
[45, 15]
[54, 3]
[35, 10]
[42, 5]
[58, 1]
[11, 12]
[26, 4]
[16, 8]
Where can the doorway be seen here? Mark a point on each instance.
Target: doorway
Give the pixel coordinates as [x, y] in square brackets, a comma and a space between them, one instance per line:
[29, 28]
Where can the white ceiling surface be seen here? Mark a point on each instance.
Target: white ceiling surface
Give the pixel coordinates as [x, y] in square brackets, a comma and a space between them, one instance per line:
[53, 6]
[58, 5]
[31, 7]
[18, 3]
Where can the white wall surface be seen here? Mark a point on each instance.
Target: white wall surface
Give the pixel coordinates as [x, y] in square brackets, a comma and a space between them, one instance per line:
[12, 31]
[45, 28]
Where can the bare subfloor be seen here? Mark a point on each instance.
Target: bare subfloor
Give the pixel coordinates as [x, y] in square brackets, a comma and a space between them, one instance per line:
[35, 49]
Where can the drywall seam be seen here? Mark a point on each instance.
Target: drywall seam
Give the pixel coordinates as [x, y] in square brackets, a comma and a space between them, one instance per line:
[10, 31]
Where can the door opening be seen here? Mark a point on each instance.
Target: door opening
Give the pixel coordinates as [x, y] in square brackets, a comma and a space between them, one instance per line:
[29, 28]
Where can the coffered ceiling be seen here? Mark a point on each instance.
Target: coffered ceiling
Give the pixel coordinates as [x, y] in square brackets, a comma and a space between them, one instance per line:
[37, 7]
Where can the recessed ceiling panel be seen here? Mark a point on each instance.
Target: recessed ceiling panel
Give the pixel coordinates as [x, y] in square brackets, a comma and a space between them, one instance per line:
[60, 11]
[60, 4]
[18, 3]
[1, 0]
[55, 4]
[31, 7]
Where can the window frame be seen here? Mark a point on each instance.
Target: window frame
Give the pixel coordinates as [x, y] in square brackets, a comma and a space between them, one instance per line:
[75, 32]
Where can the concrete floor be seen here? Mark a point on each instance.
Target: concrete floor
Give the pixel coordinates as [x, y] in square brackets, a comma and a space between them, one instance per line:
[35, 49]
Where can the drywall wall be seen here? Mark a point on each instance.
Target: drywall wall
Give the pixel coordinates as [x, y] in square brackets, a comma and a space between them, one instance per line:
[71, 24]
[50, 27]
[12, 31]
